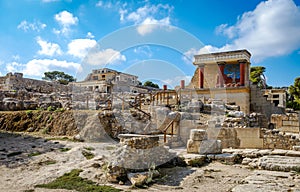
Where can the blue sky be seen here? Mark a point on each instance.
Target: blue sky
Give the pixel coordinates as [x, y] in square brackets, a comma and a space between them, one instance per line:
[155, 40]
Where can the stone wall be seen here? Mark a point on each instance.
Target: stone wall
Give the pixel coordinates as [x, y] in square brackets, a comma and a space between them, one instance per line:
[274, 139]
[253, 138]
[13, 82]
[287, 123]
[260, 104]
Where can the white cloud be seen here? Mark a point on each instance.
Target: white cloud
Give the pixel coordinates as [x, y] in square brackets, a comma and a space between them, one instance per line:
[148, 17]
[37, 67]
[47, 48]
[150, 24]
[14, 67]
[144, 50]
[34, 26]
[271, 29]
[80, 47]
[90, 35]
[103, 4]
[122, 13]
[104, 57]
[65, 19]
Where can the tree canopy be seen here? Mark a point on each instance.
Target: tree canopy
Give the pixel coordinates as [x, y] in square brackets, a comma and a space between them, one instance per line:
[58, 76]
[151, 84]
[294, 95]
[257, 76]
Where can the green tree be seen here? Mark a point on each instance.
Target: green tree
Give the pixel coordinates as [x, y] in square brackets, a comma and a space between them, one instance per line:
[257, 76]
[58, 76]
[151, 84]
[293, 99]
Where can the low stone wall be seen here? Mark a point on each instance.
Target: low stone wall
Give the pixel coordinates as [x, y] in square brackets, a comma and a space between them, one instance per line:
[287, 123]
[139, 141]
[253, 138]
[274, 139]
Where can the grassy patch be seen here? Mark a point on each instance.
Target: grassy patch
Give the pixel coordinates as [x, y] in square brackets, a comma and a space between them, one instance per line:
[34, 154]
[72, 181]
[64, 149]
[46, 130]
[88, 155]
[14, 154]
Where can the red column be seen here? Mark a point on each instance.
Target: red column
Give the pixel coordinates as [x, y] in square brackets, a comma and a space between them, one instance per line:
[242, 72]
[201, 77]
[221, 74]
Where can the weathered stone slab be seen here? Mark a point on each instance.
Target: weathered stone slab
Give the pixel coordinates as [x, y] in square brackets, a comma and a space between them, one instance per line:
[228, 158]
[210, 147]
[279, 152]
[193, 146]
[293, 153]
[198, 134]
[279, 163]
[194, 160]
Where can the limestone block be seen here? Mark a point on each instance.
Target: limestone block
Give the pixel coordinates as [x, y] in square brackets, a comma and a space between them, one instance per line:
[194, 160]
[193, 146]
[138, 179]
[293, 153]
[198, 134]
[210, 147]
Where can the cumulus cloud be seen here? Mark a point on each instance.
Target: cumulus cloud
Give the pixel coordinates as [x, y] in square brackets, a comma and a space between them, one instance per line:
[37, 67]
[148, 18]
[80, 47]
[31, 26]
[104, 57]
[65, 19]
[271, 29]
[47, 48]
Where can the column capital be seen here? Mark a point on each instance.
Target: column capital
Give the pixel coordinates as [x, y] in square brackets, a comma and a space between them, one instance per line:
[201, 65]
[242, 61]
[221, 62]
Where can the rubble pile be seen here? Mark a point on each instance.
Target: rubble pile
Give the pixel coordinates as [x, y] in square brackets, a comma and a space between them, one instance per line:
[136, 153]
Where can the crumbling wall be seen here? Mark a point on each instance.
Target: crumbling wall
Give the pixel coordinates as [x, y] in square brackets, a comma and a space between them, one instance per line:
[274, 139]
[287, 123]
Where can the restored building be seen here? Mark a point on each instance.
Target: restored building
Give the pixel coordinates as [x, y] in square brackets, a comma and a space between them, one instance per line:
[224, 75]
[107, 80]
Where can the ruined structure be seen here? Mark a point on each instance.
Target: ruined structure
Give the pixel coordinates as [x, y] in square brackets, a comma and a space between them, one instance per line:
[106, 80]
[225, 76]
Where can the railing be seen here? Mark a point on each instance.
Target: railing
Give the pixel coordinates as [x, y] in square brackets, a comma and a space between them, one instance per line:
[134, 106]
[171, 124]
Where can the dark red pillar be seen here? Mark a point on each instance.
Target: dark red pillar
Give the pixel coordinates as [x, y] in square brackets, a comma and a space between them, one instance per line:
[201, 76]
[221, 74]
[242, 72]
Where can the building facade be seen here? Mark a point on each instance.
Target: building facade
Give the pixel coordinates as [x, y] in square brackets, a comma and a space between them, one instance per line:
[225, 76]
[107, 80]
